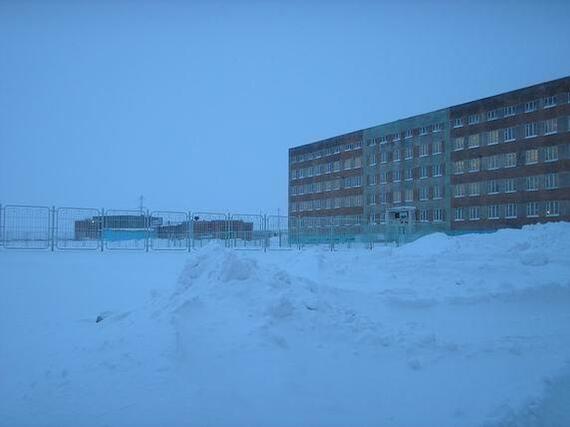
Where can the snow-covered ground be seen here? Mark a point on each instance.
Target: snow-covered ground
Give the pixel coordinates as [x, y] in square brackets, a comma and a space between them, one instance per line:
[446, 331]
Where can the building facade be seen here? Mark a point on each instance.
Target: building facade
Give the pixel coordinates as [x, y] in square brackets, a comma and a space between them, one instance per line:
[502, 161]
[510, 158]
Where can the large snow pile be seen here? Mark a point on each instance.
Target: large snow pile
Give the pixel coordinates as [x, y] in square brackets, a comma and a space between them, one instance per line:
[446, 331]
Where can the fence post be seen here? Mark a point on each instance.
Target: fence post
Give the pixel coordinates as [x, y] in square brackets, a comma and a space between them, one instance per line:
[331, 242]
[102, 228]
[190, 229]
[147, 234]
[52, 228]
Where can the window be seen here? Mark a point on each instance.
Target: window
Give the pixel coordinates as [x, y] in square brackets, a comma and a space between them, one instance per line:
[336, 166]
[510, 210]
[384, 177]
[474, 165]
[458, 122]
[532, 209]
[531, 157]
[358, 162]
[474, 189]
[551, 181]
[509, 134]
[459, 214]
[424, 150]
[424, 215]
[396, 137]
[511, 110]
[383, 157]
[409, 195]
[437, 170]
[458, 144]
[474, 119]
[493, 137]
[371, 199]
[532, 183]
[409, 174]
[423, 130]
[438, 215]
[371, 179]
[436, 148]
[549, 101]
[458, 167]
[493, 212]
[424, 193]
[510, 185]
[397, 196]
[530, 106]
[409, 153]
[473, 141]
[510, 160]
[437, 192]
[383, 140]
[474, 213]
[397, 175]
[551, 153]
[459, 191]
[553, 208]
[550, 126]
[438, 127]
[493, 162]
[530, 130]
[423, 172]
[492, 115]
[409, 133]
[493, 187]
[396, 154]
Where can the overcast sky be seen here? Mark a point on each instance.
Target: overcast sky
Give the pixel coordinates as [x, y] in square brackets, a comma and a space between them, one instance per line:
[195, 104]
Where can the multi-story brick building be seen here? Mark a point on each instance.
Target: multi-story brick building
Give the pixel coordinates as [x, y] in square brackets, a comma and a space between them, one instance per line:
[502, 161]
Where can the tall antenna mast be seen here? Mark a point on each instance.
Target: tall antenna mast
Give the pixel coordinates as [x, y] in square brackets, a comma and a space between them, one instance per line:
[141, 203]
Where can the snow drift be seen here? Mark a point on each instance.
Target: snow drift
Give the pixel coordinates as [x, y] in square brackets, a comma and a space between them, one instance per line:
[471, 330]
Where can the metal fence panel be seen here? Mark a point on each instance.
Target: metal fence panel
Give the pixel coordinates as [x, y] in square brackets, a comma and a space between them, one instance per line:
[78, 228]
[169, 231]
[126, 229]
[277, 228]
[209, 227]
[247, 231]
[26, 227]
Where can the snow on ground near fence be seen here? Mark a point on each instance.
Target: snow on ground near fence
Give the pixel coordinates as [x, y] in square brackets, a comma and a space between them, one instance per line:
[446, 331]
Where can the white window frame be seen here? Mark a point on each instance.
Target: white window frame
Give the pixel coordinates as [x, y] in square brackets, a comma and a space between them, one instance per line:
[552, 208]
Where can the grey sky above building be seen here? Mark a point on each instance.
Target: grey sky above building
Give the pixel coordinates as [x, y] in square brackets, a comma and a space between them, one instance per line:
[195, 104]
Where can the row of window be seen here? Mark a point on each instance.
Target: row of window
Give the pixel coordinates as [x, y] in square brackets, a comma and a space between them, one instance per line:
[510, 134]
[508, 211]
[397, 175]
[511, 110]
[325, 152]
[548, 181]
[422, 215]
[354, 181]
[507, 160]
[327, 168]
[327, 221]
[407, 153]
[407, 134]
[435, 192]
[329, 203]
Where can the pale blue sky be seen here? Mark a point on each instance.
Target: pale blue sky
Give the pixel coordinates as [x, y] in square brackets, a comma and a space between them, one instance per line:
[195, 104]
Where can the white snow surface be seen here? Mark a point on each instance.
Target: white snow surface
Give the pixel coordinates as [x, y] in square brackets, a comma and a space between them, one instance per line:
[447, 331]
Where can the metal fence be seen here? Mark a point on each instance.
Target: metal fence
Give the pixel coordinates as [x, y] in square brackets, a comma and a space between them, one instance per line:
[66, 228]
